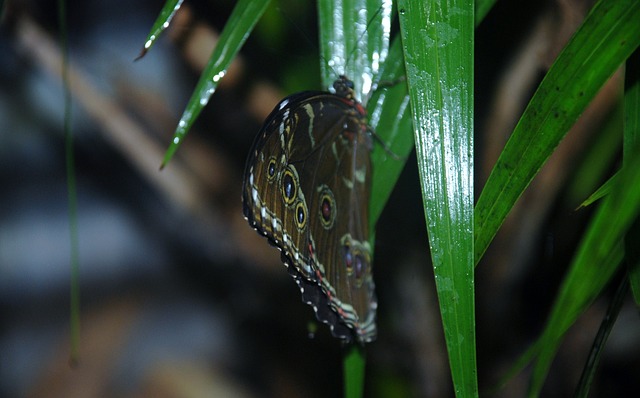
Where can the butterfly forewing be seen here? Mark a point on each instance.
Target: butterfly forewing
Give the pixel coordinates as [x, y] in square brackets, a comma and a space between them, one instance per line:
[306, 187]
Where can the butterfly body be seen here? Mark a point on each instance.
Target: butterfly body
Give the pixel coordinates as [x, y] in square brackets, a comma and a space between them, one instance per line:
[306, 187]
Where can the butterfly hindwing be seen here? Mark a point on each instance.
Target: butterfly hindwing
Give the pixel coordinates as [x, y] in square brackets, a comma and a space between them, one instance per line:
[306, 188]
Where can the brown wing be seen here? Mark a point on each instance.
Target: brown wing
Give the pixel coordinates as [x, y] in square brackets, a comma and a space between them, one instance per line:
[307, 186]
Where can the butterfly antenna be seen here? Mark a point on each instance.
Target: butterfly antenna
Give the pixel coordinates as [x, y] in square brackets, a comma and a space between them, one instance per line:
[369, 22]
[293, 23]
[386, 148]
[307, 37]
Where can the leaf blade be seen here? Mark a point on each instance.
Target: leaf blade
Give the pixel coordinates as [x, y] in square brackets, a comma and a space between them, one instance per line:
[581, 69]
[160, 24]
[438, 44]
[238, 27]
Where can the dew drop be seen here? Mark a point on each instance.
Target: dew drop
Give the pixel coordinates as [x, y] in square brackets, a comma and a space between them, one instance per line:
[149, 42]
[206, 93]
[218, 76]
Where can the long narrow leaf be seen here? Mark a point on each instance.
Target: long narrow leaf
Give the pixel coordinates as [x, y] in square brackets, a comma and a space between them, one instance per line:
[161, 23]
[482, 9]
[631, 142]
[354, 41]
[241, 22]
[600, 193]
[390, 117]
[609, 320]
[437, 37]
[599, 256]
[607, 37]
[351, 37]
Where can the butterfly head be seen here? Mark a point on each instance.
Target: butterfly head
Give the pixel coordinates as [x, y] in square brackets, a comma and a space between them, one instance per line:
[344, 87]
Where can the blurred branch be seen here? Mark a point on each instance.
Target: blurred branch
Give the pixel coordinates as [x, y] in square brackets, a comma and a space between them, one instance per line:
[186, 183]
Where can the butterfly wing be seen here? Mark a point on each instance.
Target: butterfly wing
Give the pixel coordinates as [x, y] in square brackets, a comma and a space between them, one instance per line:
[306, 188]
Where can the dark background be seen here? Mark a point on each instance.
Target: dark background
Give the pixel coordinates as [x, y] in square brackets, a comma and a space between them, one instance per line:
[179, 296]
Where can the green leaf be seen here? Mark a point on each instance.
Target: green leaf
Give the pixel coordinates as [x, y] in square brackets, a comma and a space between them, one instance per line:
[632, 259]
[238, 27]
[631, 143]
[482, 9]
[595, 164]
[438, 39]
[598, 257]
[600, 192]
[354, 41]
[162, 22]
[607, 37]
[381, 69]
[354, 364]
[609, 320]
[390, 117]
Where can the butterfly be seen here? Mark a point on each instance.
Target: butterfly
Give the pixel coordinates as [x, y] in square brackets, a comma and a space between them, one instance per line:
[306, 187]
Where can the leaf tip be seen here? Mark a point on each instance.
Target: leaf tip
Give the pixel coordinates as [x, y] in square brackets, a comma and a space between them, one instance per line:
[143, 52]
